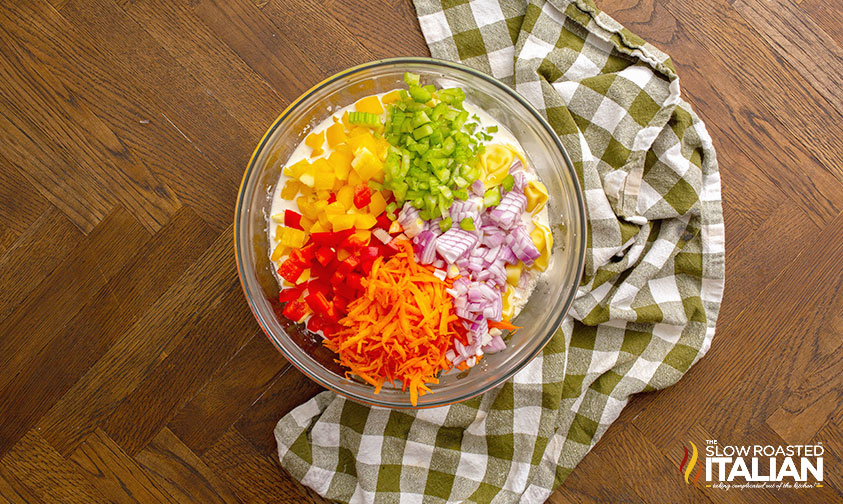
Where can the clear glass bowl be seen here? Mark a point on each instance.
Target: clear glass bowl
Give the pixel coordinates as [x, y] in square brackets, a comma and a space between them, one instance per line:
[548, 303]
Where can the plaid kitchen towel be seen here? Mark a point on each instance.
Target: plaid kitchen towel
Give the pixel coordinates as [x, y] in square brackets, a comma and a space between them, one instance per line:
[645, 310]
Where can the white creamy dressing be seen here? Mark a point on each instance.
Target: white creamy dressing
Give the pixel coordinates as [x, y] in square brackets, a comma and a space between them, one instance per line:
[529, 277]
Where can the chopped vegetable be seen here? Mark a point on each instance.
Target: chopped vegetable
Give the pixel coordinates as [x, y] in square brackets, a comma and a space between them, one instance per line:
[400, 329]
[433, 155]
[364, 119]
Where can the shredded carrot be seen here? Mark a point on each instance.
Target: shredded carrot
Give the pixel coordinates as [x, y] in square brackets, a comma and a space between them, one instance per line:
[504, 324]
[401, 328]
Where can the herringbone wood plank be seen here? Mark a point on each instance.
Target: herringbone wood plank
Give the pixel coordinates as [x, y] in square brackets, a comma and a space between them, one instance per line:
[132, 369]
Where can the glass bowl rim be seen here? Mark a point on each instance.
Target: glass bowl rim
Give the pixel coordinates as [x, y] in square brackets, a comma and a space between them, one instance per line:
[238, 219]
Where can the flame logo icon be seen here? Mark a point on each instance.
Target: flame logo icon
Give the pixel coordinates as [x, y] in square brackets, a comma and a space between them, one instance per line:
[686, 470]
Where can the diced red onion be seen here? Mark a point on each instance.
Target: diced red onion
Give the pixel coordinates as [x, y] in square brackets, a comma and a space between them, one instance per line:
[382, 235]
[496, 345]
[507, 256]
[478, 188]
[410, 220]
[455, 243]
[425, 247]
[520, 181]
[522, 245]
[508, 213]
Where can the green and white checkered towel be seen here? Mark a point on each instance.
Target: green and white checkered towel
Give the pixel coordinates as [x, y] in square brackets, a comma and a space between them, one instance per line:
[645, 310]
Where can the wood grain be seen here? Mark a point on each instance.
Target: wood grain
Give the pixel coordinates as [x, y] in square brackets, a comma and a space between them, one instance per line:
[131, 368]
[230, 392]
[116, 476]
[252, 476]
[177, 470]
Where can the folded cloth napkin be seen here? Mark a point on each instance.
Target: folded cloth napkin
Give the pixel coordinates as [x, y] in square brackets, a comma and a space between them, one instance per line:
[645, 310]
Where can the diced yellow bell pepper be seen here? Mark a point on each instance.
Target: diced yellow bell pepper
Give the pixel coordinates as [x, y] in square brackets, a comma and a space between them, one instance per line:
[335, 135]
[306, 208]
[296, 169]
[369, 104]
[378, 203]
[317, 227]
[343, 254]
[361, 140]
[345, 121]
[280, 251]
[305, 191]
[346, 196]
[293, 238]
[323, 194]
[390, 96]
[341, 162]
[320, 205]
[323, 175]
[279, 218]
[290, 189]
[306, 176]
[335, 208]
[381, 148]
[306, 224]
[325, 220]
[513, 273]
[365, 221]
[366, 164]
[508, 307]
[536, 194]
[364, 235]
[304, 277]
[315, 141]
[343, 222]
[354, 179]
[345, 149]
[496, 160]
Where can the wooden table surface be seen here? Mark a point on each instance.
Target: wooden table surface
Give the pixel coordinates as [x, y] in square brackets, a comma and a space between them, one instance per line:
[131, 369]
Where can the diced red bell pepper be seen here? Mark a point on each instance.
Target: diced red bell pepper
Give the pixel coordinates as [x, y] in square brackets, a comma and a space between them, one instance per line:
[317, 302]
[348, 265]
[362, 195]
[290, 270]
[320, 285]
[296, 310]
[354, 243]
[340, 303]
[332, 314]
[368, 256]
[303, 256]
[331, 239]
[316, 323]
[355, 281]
[324, 255]
[290, 294]
[383, 222]
[292, 219]
[329, 328]
[332, 198]
[323, 272]
[309, 251]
